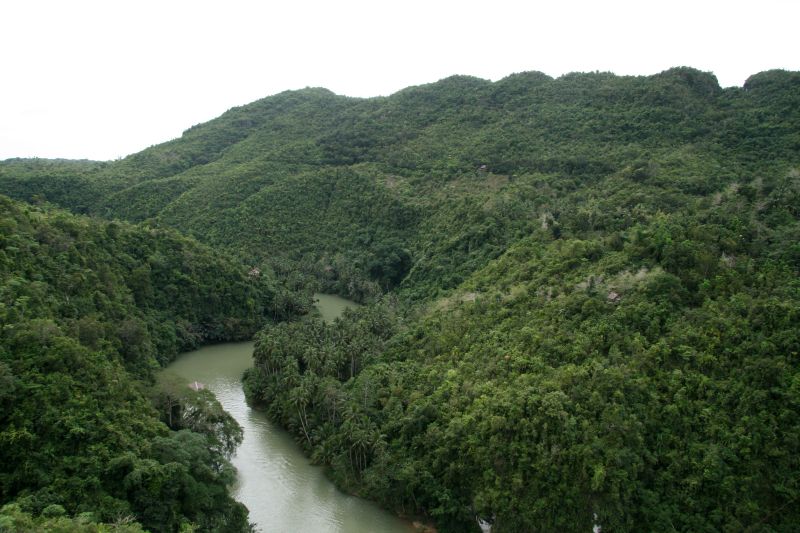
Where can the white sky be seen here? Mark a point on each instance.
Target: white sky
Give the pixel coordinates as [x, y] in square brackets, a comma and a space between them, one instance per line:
[103, 79]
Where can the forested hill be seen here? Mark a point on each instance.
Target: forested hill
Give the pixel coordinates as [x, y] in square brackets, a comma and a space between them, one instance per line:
[88, 310]
[590, 289]
[425, 186]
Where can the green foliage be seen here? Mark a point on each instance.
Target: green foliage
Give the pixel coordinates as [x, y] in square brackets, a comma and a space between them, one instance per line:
[63, 182]
[648, 380]
[303, 175]
[593, 310]
[88, 310]
[304, 373]
[615, 337]
[14, 520]
[181, 407]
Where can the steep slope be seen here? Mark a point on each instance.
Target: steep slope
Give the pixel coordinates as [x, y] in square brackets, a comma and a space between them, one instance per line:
[307, 176]
[644, 378]
[593, 289]
[629, 359]
[88, 310]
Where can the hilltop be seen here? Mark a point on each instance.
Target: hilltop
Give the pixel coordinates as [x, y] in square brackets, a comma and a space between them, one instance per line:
[387, 187]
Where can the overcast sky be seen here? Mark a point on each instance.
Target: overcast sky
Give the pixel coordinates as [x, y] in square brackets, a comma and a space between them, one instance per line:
[103, 79]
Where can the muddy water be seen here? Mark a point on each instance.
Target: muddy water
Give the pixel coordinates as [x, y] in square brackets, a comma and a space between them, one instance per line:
[283, 491]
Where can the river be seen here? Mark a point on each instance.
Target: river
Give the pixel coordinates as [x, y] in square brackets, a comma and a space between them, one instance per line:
[282, 489]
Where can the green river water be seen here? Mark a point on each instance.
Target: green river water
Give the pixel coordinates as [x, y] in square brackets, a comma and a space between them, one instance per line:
[282, 489]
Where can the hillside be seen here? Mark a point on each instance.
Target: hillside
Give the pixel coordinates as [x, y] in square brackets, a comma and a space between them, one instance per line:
[425, 186]
[646, 379]
[584, 290]
[89, 310]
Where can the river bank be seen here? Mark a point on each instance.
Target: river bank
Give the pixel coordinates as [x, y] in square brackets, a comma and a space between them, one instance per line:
[276, 481]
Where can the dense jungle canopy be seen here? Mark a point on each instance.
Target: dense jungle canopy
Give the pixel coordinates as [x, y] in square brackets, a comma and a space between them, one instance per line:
[582, 305]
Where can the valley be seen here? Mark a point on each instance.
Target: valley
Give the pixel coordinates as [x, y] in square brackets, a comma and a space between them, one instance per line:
[578, 306]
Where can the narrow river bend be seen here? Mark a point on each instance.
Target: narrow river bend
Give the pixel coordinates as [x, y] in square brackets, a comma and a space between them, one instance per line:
[283, 491]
